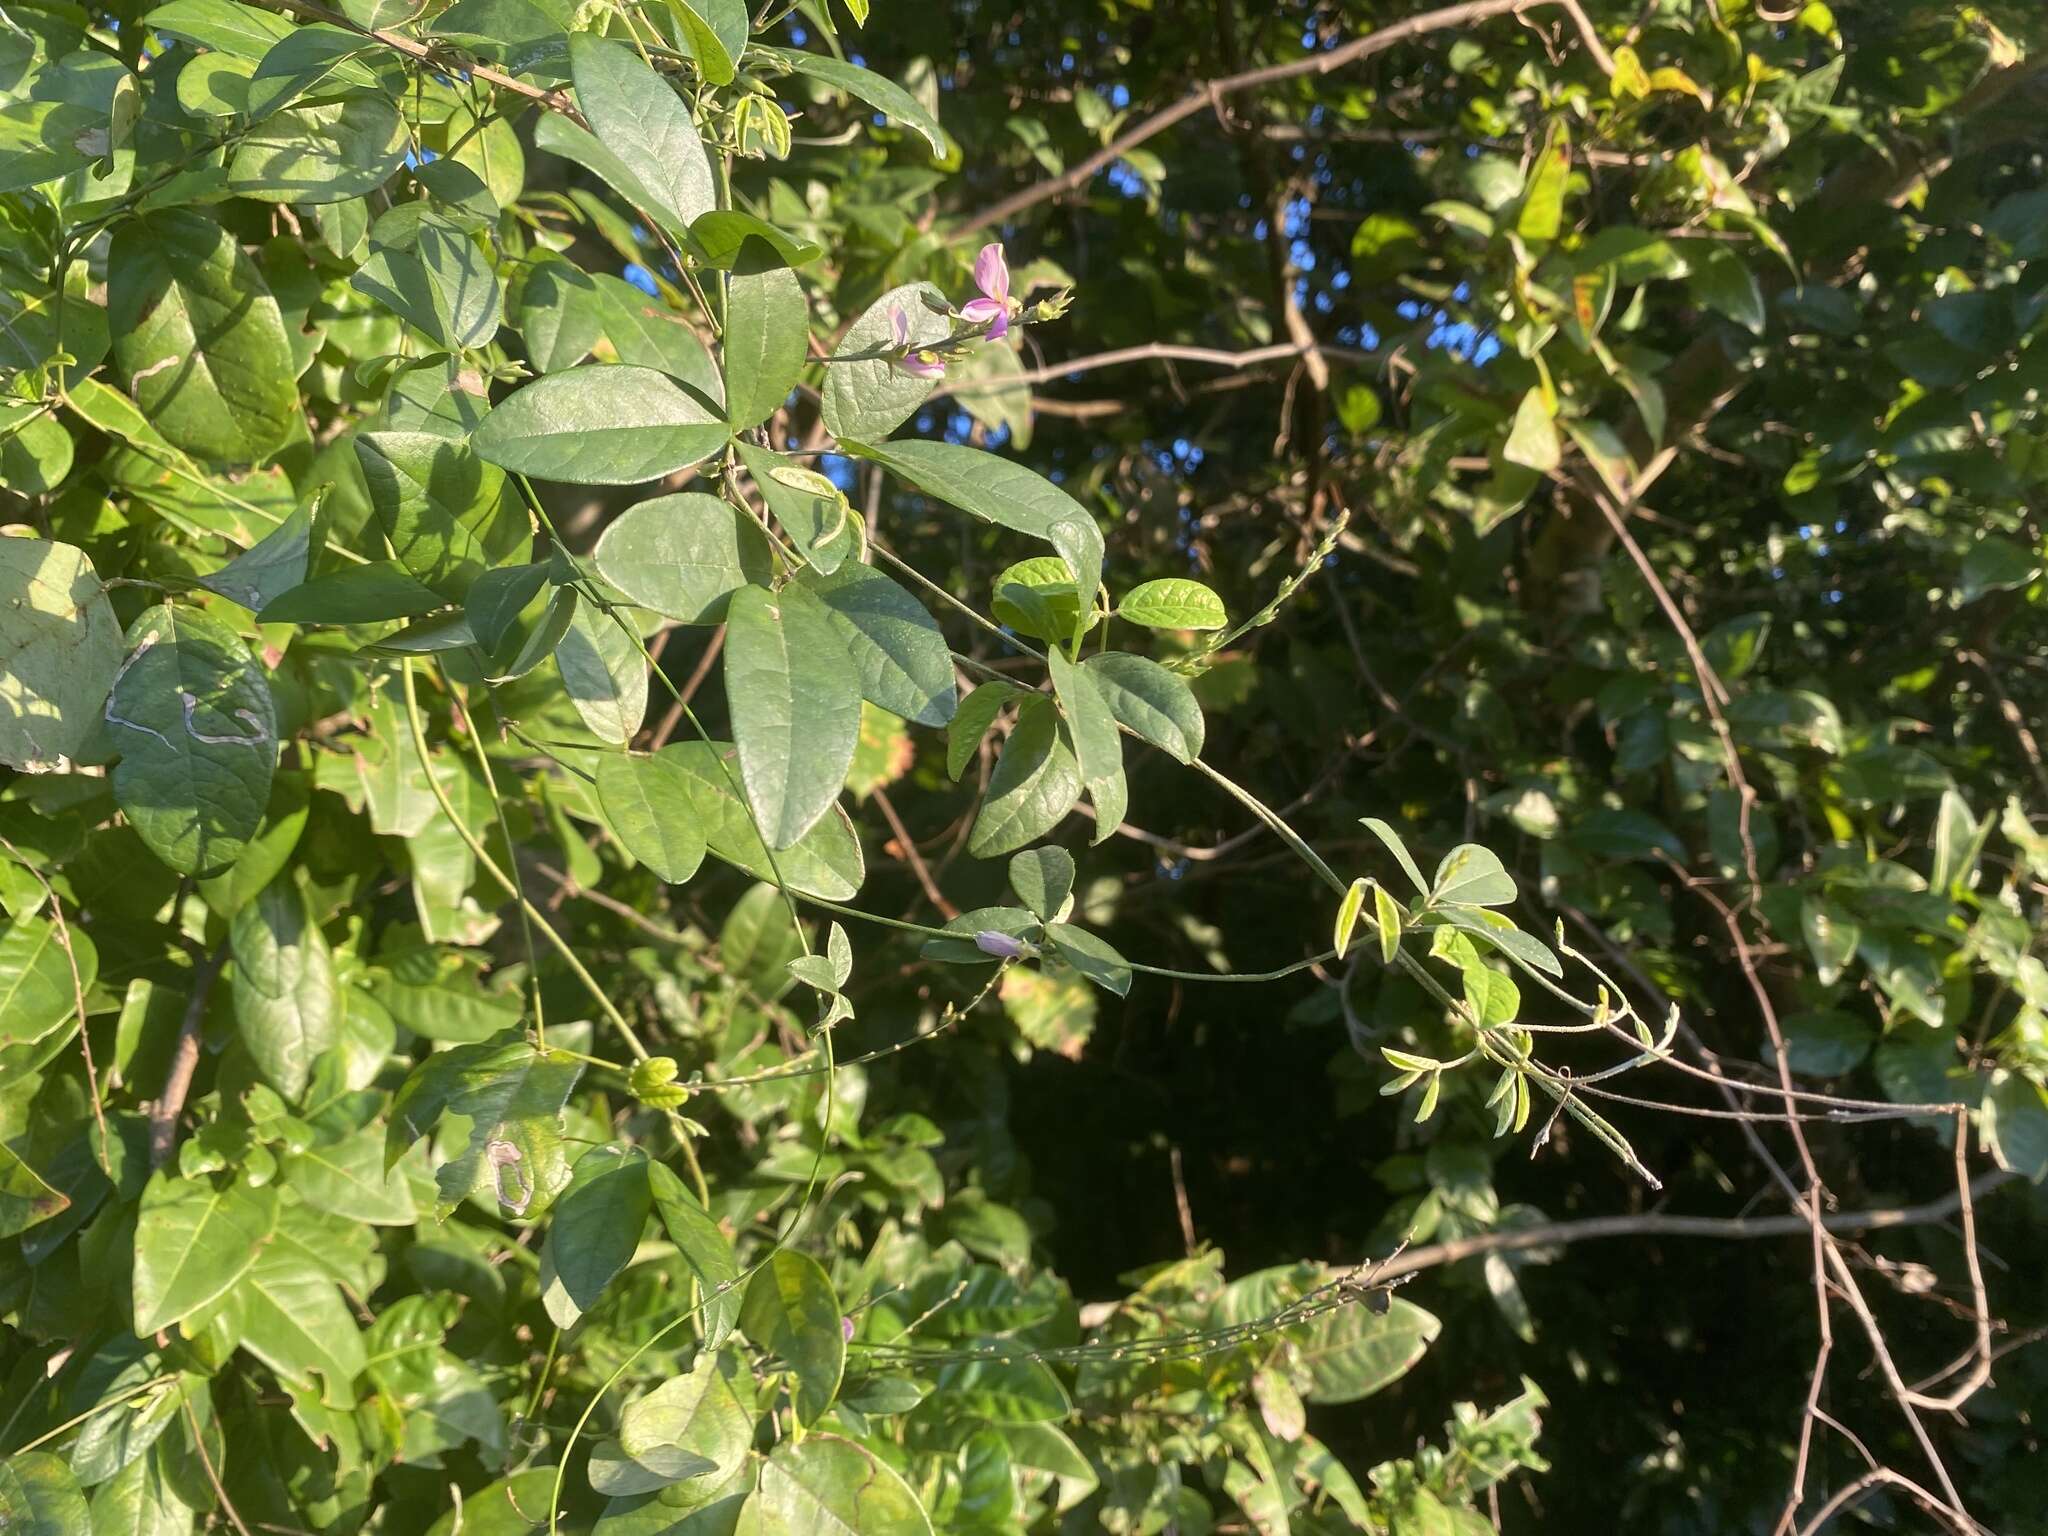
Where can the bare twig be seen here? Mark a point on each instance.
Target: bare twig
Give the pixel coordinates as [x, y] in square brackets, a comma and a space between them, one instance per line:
[1210, 93]
[1726, 1228]
[1849, 1493]
[1159, 352]
[554, 101]
[163, 1114]
[681, 703]
[2011, 713]
[911, 856]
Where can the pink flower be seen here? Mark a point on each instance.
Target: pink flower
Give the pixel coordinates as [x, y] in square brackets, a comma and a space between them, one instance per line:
[992, 277]
[922, 364]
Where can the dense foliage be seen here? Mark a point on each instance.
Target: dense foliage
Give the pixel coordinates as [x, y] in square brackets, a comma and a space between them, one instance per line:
[982, 769]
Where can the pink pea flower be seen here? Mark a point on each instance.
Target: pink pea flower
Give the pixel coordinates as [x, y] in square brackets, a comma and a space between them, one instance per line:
[992, 277]
[922, 364]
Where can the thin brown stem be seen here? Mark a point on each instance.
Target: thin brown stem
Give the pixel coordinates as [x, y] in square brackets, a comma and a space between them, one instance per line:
[163, 1114]
[1209, 94]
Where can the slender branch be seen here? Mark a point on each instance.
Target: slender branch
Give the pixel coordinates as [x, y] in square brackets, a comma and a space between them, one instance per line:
[554, 101]
[1731, 1228]
[1849, 1493]
[1210, 93]
[163, 1114]
[1158, 352]
[912, 857]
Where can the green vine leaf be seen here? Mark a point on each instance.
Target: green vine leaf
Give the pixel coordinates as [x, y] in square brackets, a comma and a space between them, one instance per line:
[191, 716]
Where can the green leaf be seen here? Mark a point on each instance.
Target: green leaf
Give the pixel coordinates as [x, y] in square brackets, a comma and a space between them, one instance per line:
[36, 452]
[240, 30]
[1499, 932]
[192, 718]
[1542, 215]
[40, 1497]
[43, 140]
[605, 673]
[1723, 282]
[431, 272]
[879, 92]
[497, 599]
[825, 862]
[897, 649]
[1994, 564]
[1173, 603]
[531, 644]
[347, 1178]
[795, 704]
[1353, 1352]
[512, 1506]
[287, 1311]
[595, 1228]
[2014, 1114]
[704, 1249]
[1036, 597]
[999, 491]
[1824, 1043]
[865, 400]
[1391, 919]
[833, 1487]
[60, 648]
[1091, 956]
[791, 1312]
[683, 556]
[1011, 922]
[1098, 749]
[327, 153]
[714, 34]
[1004, 1391]
[649, 804]
[199, 338]
[1831, 937]
[767, 328]
[374, 593]
[26, 1197]
[696, 1425]
[512, 1095]
[268, 568]
[287, 1009]
[638, 118]
[436, 501]
[1035, 783]
[1146, 698]
[193, 1242]
[138, 1500]
[645, 334]
[1472, 876]
[1532, 440]
[1491, 995]
[1043, 878]
[1347, 916]
[600, 425]
[381, 15]
[1399, 850]
[971, 722]
[36, 991]
[812, 510]
[736, 242]
[303, 60]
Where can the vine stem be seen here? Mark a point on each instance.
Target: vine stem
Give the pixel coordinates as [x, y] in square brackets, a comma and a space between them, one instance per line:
[511, 887]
